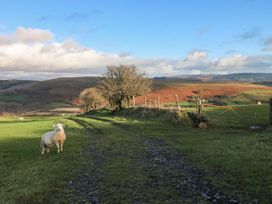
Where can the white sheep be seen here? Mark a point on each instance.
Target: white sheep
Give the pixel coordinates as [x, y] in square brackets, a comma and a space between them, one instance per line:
[55, 137]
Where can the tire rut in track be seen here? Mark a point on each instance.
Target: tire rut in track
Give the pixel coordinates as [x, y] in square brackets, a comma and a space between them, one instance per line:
[85, 181]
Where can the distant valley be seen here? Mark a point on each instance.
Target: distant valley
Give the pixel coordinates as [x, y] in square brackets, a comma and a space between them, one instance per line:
[17, 95]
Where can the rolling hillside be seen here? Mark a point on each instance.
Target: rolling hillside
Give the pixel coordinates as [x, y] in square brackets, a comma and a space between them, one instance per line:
[20, 96]
[241, 77]
[43, 95]
[226, 93]
[246, 77]
[7, 84]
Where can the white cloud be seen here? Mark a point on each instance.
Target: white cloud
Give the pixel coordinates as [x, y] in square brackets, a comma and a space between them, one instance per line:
[232, 61]
[196, 72]
[196, 55]
[22, 75]
[32, 52]
[26, 35]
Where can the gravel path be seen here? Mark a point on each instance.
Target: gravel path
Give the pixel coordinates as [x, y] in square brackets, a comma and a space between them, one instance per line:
[164, 167]
[169, 168]
[84, 184]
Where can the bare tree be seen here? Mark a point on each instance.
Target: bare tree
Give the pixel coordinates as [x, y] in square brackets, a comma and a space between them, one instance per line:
[121, 83]
[91, 99]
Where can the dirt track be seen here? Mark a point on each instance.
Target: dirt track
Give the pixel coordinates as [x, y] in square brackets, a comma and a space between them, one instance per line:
[163, 167]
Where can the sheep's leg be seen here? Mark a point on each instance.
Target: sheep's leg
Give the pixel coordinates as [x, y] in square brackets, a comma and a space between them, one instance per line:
[47, 149]
[61, 146]
[58, 147]
[43, 148]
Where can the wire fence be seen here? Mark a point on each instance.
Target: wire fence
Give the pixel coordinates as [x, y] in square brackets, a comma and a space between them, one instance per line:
[202, 106]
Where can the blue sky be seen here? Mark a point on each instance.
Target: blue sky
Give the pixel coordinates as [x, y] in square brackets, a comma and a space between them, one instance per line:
[159, 36]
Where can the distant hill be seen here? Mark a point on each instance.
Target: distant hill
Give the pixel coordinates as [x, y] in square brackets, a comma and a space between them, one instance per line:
[247, 77]
[30, 95]
[265, 83]
[17, 95]
[176, 79]
[5, 84]
[65, 86]
[196, 77]
[244, 77]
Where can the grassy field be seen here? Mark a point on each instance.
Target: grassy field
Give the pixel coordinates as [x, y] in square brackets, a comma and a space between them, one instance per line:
[28, 177]
[238, 117]
[13, 98]
[4, 84]
[238, 160]
[29, 95]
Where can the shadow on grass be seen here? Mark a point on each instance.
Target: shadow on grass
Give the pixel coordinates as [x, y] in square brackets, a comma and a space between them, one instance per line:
[17, 121]
[238, 157]
[29, 177]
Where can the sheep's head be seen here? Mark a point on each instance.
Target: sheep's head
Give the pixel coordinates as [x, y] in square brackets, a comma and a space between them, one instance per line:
[58, 127]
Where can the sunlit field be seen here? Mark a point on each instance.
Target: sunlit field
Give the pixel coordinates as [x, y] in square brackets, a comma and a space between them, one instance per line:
[239, 159]
[26, 176]
[164, 102]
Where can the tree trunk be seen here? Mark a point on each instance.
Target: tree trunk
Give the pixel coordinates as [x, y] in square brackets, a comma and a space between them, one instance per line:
[118, 105]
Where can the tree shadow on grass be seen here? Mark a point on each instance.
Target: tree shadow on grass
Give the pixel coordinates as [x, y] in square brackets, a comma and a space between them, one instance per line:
[26, 175]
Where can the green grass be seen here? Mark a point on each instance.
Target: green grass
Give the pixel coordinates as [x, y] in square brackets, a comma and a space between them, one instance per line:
[240, 160]
[238, 116]
[57, 104]
[28, 177]
[183, 104]
[13, 98]
[123, 177]
[4, 84]
[259, 91]
[250, 97]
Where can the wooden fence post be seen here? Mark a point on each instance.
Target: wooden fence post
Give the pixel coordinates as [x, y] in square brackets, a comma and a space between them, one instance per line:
[270, 117]
[177, 101]
[198, 107]
[145, 101]
[196, 101]
[158, 102]
[133, 98]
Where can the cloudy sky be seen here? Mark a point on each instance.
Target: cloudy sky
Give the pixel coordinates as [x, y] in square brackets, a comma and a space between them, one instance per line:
[49, 39]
